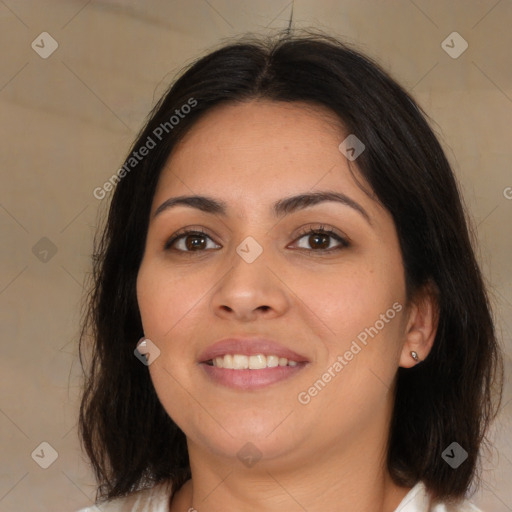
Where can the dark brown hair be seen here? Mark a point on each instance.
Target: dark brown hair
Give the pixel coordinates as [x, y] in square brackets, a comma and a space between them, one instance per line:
[451, 396]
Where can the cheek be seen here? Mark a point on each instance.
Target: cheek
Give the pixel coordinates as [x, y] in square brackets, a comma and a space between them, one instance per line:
[351, 298]
[363, 308]
[166, 303]
[165, 299]
[361, 304]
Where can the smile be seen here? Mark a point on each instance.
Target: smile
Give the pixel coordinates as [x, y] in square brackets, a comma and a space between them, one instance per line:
[249, 363]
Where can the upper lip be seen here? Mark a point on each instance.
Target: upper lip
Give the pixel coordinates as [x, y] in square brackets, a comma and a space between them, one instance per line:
[249, 347]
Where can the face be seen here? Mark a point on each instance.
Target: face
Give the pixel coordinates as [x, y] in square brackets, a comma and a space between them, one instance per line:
[315, 287]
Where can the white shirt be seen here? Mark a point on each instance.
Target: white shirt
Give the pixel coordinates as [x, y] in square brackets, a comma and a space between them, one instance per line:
[156, 499]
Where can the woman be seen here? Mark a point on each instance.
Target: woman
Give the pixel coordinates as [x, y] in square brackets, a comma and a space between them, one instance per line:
[287, 312]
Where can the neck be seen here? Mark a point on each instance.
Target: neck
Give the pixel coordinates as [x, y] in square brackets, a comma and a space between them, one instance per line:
[355, 481]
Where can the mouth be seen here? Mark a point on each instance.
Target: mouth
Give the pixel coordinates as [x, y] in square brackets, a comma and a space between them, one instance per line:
[250, 363]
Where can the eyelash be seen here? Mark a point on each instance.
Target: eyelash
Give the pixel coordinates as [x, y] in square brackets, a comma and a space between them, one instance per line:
[343, 242]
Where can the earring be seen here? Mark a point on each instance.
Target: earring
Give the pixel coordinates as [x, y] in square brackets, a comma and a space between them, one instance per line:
[415, 355]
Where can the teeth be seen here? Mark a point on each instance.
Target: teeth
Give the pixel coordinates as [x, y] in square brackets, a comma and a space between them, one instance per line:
[255, 362]
[272, 361]
[240, 362]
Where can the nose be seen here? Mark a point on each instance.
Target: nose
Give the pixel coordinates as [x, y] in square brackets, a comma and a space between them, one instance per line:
[248, 291]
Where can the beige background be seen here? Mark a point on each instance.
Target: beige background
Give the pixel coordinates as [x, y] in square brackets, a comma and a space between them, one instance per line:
[68, 121]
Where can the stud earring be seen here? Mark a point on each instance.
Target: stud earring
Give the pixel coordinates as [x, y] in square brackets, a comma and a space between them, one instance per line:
[415, 355]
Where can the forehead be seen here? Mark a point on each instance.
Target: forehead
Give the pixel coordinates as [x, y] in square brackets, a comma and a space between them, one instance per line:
[259, 151]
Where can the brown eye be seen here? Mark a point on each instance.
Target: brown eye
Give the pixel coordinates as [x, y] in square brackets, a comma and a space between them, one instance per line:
[321, 239]
[189, 241]
[193, 242]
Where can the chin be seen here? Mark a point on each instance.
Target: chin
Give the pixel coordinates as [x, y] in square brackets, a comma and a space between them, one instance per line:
[250, 443]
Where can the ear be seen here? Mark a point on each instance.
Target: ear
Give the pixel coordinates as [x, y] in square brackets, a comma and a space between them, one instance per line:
[421, 325]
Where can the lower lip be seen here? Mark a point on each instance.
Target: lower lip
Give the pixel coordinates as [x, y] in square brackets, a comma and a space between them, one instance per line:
[250, 379]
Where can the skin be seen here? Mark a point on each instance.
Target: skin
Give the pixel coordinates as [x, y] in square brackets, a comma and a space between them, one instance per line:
[326, 455]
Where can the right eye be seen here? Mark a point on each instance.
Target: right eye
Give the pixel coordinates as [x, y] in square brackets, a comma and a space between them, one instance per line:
[189, 241]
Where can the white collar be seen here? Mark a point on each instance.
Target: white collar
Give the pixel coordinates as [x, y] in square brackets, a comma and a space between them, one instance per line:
[419, 500]
[156, 499]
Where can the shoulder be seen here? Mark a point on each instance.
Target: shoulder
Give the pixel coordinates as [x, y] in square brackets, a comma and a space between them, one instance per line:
[154, 499]
[419, 500]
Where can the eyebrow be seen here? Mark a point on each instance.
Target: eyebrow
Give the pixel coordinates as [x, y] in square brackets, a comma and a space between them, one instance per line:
[280, 208]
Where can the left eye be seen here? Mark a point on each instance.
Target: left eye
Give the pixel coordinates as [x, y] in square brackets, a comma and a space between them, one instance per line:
[318, 240]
